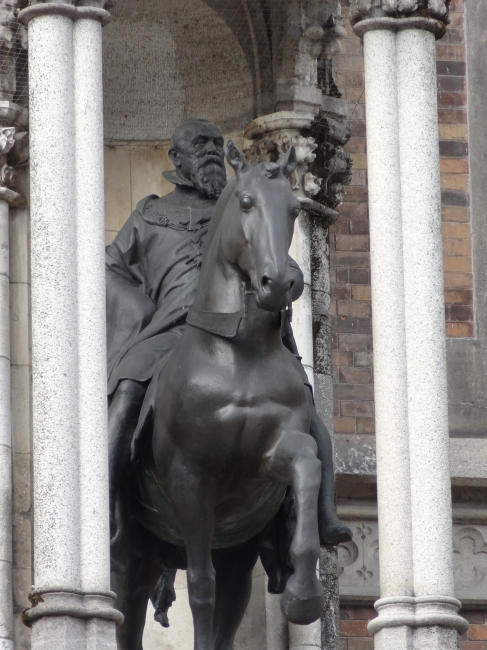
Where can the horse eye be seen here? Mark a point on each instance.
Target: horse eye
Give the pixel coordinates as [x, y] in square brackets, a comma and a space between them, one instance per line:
[246, 203]
[295, 212]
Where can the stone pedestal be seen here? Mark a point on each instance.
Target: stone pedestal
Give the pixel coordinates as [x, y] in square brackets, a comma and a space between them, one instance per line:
[417, 608]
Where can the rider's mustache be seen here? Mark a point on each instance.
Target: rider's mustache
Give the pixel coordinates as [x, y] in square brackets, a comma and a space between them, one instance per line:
[208, 160]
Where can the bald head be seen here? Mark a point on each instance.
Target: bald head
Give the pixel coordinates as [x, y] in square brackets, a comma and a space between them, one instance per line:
[197, 153]
[186, 131]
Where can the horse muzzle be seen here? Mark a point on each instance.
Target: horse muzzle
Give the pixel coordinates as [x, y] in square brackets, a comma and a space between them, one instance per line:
[272, 294]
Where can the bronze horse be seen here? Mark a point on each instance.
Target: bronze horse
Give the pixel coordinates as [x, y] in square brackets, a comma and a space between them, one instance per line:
[230, 418]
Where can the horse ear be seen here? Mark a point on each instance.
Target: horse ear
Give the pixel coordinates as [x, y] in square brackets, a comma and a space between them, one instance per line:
[288, 162]
[235, 157]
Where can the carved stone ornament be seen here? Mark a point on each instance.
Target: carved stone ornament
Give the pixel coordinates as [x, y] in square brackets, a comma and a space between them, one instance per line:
[363, 9]
[323, 167]
[358, 561]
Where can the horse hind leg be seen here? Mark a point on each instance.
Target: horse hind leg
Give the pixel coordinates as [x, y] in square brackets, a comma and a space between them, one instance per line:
[294, 462]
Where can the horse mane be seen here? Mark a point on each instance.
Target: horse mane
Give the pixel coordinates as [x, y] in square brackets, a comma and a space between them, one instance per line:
[219, 210]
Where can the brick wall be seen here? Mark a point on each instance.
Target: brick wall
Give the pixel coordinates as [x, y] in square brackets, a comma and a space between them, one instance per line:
[349, 240]
[354, 635]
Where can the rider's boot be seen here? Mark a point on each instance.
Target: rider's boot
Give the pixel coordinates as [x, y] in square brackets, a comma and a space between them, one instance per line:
[122, 419]
[332, 531]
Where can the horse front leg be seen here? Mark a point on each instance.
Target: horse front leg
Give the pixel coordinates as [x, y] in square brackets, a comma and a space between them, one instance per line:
[294, 462]
[193, 500]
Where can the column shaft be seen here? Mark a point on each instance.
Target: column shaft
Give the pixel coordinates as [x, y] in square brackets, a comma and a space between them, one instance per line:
[54, 323]
[6, 601]
[425, 320]
[387, 280]
[302, 322]
[95, 553]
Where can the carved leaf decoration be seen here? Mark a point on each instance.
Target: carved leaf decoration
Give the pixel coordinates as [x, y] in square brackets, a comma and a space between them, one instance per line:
[438, 9]
[407, 6]
[6, 139]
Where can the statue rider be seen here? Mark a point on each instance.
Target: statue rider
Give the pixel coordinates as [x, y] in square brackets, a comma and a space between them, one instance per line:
[152, 270]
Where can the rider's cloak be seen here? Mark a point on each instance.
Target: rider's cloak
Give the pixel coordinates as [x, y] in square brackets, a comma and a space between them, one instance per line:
[152, 271]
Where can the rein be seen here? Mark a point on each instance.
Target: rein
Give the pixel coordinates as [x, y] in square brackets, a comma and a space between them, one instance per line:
[226, 324]
[220, 323]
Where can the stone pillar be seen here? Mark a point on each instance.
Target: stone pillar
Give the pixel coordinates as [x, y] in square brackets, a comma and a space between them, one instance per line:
[7, 197]
[71, 602]
[417, 608]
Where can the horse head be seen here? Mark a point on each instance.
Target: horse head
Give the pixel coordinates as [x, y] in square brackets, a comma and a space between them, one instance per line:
[260, 224]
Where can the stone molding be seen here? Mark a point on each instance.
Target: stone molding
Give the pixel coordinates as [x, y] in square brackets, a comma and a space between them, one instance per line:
[432, 25]
[399, 9]
[71, 602]
[424, 611]
[60, 8]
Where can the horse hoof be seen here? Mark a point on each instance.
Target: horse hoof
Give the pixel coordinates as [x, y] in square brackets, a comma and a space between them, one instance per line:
[302, 609]
[334, 535]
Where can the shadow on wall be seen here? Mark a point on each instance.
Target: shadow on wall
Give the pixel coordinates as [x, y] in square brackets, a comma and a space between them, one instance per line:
[167, 61]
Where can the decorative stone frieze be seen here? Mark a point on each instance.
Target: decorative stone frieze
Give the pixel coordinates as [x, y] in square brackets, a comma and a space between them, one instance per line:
[358, 561]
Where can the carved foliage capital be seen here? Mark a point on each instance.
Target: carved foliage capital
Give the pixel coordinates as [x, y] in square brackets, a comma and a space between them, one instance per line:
[363, 9]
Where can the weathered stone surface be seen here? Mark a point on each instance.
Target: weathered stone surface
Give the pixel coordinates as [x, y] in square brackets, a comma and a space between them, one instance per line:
[159, 70]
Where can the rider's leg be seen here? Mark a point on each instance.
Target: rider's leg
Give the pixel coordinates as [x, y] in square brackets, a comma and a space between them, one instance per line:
[294, 462]
[233, 568]
[332, 530]
[122, 419]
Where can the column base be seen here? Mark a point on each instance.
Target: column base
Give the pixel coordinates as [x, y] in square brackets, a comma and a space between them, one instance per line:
[422, 623]
[72, 620]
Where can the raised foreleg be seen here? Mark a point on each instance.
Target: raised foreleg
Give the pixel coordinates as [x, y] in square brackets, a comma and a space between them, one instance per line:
[293, 461]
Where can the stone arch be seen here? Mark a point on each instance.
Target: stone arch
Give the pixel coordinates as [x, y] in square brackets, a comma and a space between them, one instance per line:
[166, 61]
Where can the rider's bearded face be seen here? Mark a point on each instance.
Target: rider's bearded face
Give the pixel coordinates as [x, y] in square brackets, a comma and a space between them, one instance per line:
[203, 163]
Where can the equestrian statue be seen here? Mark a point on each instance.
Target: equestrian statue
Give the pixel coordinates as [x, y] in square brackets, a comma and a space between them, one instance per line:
[217, 455]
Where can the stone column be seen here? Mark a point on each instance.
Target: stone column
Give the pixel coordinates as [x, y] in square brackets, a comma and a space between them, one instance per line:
[70, 588]
[417, 608]
[7, 197]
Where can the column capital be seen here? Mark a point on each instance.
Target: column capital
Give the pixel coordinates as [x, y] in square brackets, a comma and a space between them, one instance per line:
[94, 9]
[395, 15]
[270, 136]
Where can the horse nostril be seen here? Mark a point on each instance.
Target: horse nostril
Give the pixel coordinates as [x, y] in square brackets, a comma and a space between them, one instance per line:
[291, 285]
[265, 283]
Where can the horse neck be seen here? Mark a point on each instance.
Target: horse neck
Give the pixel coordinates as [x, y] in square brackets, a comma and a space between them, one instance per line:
[221, 290]
[220, 284]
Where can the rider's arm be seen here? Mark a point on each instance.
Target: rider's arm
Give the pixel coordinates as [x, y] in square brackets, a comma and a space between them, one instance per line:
[298, 278]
